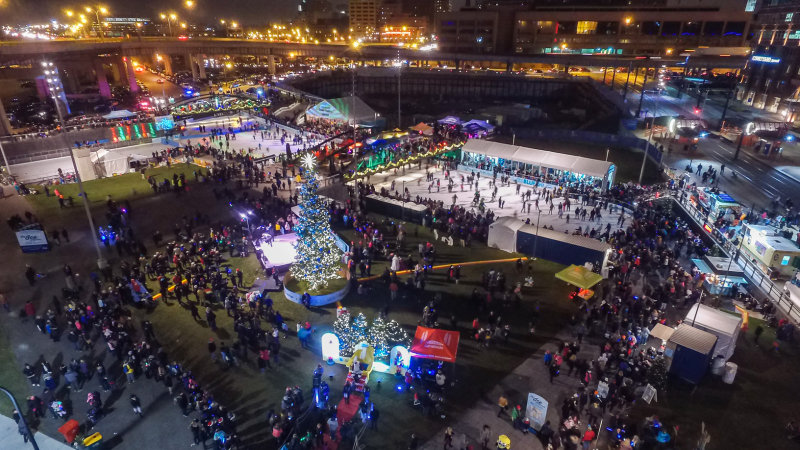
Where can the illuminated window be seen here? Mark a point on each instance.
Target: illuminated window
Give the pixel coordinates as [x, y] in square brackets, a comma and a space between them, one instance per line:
[587, 27]
[785, 260]
[789, 17]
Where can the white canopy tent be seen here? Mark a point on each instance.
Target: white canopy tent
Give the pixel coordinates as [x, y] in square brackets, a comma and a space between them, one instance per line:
[542, 158]
[721, 324]
[120, 114]
[108, 163]
[503, 233]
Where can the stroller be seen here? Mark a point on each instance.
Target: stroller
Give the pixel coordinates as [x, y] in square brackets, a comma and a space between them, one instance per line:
[57, 408]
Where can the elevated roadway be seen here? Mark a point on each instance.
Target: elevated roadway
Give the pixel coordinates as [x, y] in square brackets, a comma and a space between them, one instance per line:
[11, 51]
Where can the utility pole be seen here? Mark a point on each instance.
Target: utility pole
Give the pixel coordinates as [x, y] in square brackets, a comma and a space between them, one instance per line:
[641, 97]
[22, 421]
[628, 78]
[54, 87]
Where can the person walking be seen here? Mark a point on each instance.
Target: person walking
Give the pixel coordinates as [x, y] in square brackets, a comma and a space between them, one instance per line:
[588, 437]
[448, 438]
[197, 432]
[502, 402]
[212, 349]
[211, 318]
[486, 436]
[136, 404]
[127, 367]
[757, 333]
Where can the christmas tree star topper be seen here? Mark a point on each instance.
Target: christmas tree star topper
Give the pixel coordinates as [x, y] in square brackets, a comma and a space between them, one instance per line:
[309, 161]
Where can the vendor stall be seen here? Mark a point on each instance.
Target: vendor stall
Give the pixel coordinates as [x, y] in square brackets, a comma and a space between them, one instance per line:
[717, 205]
[720, 277]
[535, 167]
[582, 278]
[771, 251]
[723, 325]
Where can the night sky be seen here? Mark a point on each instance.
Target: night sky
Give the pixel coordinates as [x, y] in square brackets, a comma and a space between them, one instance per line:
[246, 11]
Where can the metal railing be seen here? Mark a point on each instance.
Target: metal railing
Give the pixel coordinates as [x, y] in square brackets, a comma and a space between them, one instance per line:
[753, 273]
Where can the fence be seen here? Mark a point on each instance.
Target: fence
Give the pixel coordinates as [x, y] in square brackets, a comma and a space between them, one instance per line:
[753, 273]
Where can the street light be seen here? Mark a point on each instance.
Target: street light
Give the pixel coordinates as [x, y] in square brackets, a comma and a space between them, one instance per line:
[54, 87]
[171, 17]
[189, 4]
[97, 11]
[22, 420]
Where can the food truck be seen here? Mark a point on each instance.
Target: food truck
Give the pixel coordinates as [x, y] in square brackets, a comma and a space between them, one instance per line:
[717, 204]
[721, 277]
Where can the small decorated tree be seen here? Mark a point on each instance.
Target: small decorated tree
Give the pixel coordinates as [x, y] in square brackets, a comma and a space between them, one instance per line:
[396, 335]
[359, 330]
[377, 338]
[342, 328]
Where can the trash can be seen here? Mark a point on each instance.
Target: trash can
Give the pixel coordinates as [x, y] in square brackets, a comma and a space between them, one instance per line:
[718, 365]
[730, 373]
[93, 442]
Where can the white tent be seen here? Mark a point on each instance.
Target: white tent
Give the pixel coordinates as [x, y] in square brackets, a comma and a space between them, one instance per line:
[723, 325]
[536, 157]
[120, 114]
[503, 233]
[108, 163]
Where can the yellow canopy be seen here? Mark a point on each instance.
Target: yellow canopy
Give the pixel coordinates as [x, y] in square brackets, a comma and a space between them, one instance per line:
[579, 276]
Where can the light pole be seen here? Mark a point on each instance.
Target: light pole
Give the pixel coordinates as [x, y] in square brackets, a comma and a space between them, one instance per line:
[53, 84]
[536, 240]
[171, 17]
[97, 11]
[21, 417]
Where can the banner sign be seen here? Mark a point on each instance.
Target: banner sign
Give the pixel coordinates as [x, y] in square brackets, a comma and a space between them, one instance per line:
[32, 241]
[536, 411]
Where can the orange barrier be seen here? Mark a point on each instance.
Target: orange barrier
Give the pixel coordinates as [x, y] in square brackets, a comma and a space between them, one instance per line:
[446, 266]
[745, 317]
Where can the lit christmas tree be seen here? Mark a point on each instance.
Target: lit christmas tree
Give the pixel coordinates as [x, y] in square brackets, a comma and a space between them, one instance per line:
[396, 335]
[342, 328]
[318, 257]
[359, 329]
[377, 337]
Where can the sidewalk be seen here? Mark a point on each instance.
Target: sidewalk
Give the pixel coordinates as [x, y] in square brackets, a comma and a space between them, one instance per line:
[12, 438]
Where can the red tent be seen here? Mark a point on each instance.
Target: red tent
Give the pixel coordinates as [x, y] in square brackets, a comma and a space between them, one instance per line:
[434, 343]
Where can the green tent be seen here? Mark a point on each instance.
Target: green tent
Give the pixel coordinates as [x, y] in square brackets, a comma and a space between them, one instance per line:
[579, 276]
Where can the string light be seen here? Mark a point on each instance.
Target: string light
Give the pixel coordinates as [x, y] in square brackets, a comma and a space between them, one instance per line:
[318, 257]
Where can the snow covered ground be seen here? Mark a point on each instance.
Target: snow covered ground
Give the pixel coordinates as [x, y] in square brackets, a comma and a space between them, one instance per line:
[37, 170]
[414, 181]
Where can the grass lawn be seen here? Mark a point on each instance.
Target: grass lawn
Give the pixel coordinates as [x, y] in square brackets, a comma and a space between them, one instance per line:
[129, 186]
[11, 377]
[751, 412]
[628, 161]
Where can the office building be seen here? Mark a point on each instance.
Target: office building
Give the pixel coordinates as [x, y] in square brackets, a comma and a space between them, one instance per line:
[771, 78]
[646, 27]
[364, 18]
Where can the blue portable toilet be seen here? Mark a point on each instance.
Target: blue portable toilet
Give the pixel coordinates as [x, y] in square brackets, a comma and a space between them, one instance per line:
[690, 350]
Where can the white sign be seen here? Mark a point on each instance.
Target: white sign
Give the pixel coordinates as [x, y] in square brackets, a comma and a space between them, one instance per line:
[32, 241]
[602, 389]
[765, 59]
[649, 393]
[536, 411]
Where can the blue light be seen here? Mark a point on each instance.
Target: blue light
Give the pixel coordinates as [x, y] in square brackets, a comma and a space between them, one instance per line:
[789, 138]
[399, 388]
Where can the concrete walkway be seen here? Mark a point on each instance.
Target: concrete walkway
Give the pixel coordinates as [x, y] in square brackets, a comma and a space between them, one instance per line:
[13, 440]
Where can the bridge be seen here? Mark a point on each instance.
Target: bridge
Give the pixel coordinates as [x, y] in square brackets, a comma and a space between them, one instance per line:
[11, 51]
